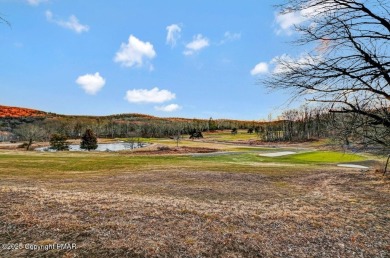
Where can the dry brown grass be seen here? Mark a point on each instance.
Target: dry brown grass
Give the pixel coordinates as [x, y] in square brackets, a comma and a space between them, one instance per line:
[178, 212]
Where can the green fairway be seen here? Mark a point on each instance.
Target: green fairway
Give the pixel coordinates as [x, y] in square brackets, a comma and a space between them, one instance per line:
[317, 157]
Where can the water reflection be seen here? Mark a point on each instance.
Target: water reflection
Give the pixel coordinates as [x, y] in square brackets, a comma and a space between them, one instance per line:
[118, 146]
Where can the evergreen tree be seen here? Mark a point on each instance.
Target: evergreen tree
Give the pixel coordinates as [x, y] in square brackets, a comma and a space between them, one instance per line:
[88, 140]
[58, 142]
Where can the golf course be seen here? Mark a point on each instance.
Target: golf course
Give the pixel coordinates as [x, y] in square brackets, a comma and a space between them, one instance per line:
[232, 202]
[195, 129]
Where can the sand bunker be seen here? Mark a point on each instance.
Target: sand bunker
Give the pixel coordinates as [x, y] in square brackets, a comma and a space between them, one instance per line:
[352, 166]
[277, 154]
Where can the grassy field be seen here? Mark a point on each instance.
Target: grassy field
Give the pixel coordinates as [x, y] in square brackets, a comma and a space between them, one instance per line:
[204, 205]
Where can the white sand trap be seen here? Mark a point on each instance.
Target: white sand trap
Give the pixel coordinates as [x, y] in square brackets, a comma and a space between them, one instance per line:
[352, 166]
[277, 154]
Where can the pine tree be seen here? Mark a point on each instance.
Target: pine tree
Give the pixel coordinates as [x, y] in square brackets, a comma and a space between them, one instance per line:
[88, 140]
[58, 142]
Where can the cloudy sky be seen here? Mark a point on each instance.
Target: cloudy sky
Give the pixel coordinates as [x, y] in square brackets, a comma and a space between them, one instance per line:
[166, 58]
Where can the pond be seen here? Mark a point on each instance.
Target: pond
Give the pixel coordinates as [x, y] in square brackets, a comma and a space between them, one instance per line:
[117, 146]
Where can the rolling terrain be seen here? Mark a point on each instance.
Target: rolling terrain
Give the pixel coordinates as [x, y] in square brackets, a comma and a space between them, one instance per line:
[232, 203]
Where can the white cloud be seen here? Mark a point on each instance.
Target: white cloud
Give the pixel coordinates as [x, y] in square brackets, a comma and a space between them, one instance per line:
[199, 42]
[173, 34]
[230, 36]
[36, 2]
[285, 63]
[168, 108]
[288, 21]
[154, 95]
[72, 23]
[134, 53]
[91, 83]
[260, 68]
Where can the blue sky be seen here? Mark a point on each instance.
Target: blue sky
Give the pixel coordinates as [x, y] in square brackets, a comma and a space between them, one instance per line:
[165, 58]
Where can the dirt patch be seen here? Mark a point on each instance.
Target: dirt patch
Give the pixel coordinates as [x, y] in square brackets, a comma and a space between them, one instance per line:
[9, 146]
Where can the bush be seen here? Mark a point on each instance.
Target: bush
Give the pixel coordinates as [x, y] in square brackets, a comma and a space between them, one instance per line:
[196, 135]
[23, 145]
[163, 148]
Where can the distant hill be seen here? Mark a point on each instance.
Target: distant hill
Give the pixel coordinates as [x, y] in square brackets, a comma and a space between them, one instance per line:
[111, 126]
[17, 112]
[20, 112]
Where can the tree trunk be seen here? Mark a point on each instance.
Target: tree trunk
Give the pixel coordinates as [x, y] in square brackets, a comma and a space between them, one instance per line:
[29, 144]
[387, 162]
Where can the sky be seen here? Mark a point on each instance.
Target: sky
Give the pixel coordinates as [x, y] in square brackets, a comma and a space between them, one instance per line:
[172, 58]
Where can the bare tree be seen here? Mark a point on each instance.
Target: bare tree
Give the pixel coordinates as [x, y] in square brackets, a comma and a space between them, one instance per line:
[30, 133]
[177, 138]
[348, 66]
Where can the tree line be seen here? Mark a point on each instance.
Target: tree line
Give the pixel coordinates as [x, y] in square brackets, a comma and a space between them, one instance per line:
[119, 126]
[293, 125]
